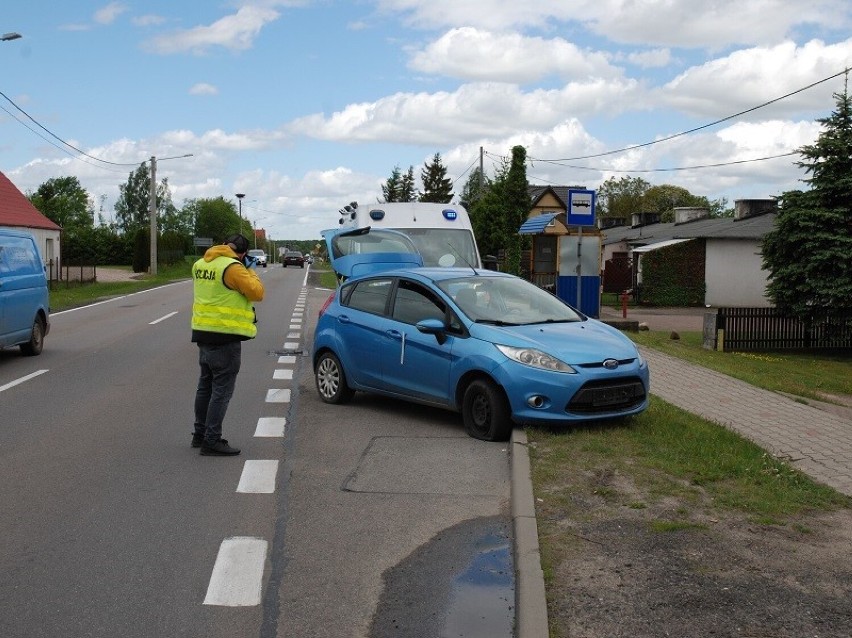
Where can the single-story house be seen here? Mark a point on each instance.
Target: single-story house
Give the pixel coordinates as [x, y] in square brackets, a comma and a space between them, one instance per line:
[18, 213]
[733, 263]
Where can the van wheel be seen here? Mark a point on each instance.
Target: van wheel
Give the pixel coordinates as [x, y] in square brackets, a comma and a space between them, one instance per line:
[36, 343]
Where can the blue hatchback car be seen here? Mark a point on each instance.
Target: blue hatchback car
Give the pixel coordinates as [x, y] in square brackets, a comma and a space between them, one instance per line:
[490, 345]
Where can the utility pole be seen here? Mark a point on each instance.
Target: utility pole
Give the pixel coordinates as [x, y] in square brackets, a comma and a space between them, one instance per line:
[152, 207]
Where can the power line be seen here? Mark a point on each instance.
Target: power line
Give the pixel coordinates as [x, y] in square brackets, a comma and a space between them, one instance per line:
[52, 143]
[53, 135]
[673, 169]
[699, 128]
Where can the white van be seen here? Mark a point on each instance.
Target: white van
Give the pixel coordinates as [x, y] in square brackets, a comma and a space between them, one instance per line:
[441, 232]
[24, 297]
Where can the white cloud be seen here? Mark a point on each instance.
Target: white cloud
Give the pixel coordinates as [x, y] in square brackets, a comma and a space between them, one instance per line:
[471, 112]
[474, 54]
[236, 32]
[749, 77]
[655, 58]
[109, 13]
[202, 88]
[148, 20]
[666, 23]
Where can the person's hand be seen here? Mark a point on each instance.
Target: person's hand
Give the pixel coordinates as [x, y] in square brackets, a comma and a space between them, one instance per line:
[249, 262]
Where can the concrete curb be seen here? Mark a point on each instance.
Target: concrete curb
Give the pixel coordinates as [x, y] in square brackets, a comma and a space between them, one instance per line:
[530, 600]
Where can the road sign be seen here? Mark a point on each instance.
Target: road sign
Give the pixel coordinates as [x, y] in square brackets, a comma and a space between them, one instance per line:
[202, 241]
[581, 208]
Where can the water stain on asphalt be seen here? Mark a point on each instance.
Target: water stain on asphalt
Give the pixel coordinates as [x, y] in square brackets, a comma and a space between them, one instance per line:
[459, 585]
[482, 600]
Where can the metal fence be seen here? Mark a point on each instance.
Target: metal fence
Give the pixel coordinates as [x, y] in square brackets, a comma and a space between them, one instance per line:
[70, 274]
[762, 329]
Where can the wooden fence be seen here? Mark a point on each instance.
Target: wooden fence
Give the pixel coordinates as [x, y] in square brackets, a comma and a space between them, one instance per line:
[756, 329]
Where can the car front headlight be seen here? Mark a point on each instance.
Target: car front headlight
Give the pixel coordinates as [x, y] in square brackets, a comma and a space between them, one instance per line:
[535, 359]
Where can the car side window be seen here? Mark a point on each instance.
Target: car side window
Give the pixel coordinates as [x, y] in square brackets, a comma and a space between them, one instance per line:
[370, 295]
[415, 303]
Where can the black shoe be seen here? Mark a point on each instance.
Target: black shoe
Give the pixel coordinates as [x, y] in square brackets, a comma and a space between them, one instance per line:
[197, 440]
[219, 448]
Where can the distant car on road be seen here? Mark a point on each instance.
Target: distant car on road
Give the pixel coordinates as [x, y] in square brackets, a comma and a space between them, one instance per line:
[490, 345]
[294, 258]
[259, 256]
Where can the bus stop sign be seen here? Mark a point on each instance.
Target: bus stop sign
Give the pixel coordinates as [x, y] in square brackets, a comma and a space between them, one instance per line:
[581, 208]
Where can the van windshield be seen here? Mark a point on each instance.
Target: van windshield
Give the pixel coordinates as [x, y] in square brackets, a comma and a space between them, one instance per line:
[444, 246]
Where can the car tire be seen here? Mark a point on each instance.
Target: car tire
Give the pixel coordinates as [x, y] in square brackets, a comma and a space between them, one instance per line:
[485, 412]
[35, 345]
[331, 380]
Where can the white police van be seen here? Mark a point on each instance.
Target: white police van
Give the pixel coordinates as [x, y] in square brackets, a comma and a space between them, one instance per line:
[24, 297]
[441, 232]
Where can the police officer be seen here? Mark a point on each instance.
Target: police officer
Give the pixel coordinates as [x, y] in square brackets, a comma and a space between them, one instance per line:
[223, 317]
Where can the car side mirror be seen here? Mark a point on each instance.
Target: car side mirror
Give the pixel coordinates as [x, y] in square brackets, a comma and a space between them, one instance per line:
[433, 327]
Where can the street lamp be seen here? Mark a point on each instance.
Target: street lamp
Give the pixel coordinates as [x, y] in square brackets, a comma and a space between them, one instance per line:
[240, 199]
[152, 208]
[10, 36]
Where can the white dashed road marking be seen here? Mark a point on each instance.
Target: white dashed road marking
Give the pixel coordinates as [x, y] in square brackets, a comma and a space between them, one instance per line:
[12, 384]
[258, 477]
[238, 573]
[270, 426]
[283, 374]
[278, 395]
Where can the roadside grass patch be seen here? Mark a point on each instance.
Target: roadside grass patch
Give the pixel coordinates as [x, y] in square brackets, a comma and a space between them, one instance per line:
[668, 453]
[65, 297]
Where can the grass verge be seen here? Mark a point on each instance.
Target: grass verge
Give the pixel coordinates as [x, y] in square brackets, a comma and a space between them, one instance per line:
[72, 296]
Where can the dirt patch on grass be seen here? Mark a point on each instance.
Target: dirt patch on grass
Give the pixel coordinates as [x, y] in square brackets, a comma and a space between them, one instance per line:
[622, 561]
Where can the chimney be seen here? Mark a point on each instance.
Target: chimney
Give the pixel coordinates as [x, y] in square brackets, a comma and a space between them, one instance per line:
[685, 214]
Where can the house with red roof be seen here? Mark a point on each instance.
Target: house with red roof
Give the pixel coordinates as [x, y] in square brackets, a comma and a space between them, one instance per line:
[18, 213]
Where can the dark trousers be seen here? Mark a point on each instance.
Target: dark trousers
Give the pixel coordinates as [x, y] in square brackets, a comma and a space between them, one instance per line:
[220, 364]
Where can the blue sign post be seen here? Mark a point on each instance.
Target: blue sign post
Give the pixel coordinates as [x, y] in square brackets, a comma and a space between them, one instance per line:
[581, 212]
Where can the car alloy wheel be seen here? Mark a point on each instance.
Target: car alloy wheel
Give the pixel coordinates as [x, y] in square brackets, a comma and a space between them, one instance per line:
[331, 380]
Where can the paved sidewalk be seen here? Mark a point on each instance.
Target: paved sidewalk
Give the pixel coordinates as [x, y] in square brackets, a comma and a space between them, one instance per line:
[815, 441]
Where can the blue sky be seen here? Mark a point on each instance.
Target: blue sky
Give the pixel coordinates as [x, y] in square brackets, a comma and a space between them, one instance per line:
[305, 105]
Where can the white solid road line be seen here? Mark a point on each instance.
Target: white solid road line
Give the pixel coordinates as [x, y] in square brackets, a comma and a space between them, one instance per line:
[258, 477]
[12, 384]
[238, 573]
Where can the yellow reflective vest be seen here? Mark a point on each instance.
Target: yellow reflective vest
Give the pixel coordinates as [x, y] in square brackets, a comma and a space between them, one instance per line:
[217, 308]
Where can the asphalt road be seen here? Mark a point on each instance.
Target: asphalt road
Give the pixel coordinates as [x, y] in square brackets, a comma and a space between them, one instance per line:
[377, 515]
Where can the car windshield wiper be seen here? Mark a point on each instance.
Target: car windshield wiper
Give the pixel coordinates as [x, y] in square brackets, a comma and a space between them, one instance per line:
[532, 323]
[496, 322]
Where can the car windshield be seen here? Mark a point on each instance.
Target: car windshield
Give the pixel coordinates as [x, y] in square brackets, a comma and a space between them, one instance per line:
[370, 241]
[256, 253]
[507, 301]
[444, 246]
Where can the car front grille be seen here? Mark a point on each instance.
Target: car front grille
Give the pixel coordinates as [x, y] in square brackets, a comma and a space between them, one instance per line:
[598, 397]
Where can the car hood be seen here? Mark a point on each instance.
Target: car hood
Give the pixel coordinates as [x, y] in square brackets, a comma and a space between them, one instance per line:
[577, 342]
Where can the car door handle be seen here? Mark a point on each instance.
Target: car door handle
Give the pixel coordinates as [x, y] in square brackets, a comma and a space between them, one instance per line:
[396, 334]
[344, 319]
